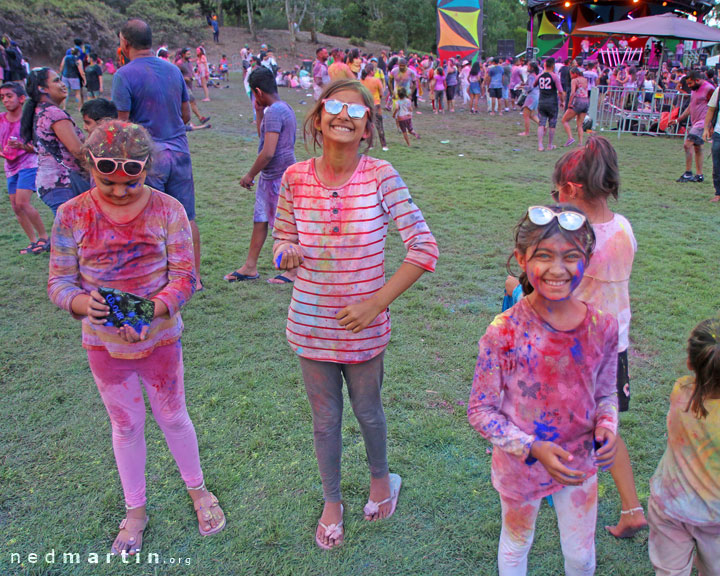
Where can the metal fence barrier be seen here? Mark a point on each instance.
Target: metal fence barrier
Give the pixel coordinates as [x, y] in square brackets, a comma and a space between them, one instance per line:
[637, 111]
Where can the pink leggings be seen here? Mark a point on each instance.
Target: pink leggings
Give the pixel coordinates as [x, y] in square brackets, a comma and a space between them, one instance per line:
[119, 384]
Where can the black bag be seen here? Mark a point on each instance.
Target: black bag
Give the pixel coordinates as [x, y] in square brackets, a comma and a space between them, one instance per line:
[521, 100]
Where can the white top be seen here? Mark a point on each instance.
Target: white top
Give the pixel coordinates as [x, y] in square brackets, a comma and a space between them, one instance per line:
[606, 284]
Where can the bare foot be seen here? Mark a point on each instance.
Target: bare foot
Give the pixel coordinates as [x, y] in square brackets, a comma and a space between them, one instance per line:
[332, 518]
[523, 134]
[379, 491]
[629, 525]
[129, 539]
[541, 149]
[715, 199]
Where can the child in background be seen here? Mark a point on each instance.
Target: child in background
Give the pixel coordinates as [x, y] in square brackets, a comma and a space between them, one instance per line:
[544, 392]
[94, 78]
[20, 169]
[123, 234]
[95, 111]
[684, 504]
[587, 178]
[439, 88]
[224, 70]
[276, 128]
[403, 115]
[332, 220]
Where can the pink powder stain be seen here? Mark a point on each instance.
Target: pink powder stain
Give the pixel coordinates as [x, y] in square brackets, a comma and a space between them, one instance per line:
[579, 498]
[519, 522]
[137, 399]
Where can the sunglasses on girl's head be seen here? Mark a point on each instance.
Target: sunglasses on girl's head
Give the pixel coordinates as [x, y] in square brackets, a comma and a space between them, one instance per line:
[569, 220]
[109, 166]
[334, 107]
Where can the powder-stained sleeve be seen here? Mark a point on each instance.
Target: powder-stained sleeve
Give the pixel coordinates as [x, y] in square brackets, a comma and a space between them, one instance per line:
[285, 229]
[121, 93]
[486, 395]
[606, 411]
[180, 263]
[64, 274]
[422, 249]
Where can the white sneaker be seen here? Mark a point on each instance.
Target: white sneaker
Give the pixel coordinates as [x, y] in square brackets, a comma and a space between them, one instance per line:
[385, 148]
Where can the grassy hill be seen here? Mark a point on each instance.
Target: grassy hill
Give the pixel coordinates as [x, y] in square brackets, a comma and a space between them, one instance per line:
[44, 29]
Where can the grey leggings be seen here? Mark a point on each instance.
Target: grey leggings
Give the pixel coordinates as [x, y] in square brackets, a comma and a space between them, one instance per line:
[323, 384]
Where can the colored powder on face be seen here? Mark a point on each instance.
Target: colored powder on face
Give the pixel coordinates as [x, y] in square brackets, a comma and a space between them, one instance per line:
[577, 278]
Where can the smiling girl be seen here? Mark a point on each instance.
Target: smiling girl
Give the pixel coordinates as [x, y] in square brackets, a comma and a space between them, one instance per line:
[544, 392]
[331, 223]
[123, 234]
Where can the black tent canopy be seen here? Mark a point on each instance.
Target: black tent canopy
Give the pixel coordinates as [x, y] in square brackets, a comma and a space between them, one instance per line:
[702, 7]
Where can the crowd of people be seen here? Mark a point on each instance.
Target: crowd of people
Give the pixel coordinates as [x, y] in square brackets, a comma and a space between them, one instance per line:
[552, 369]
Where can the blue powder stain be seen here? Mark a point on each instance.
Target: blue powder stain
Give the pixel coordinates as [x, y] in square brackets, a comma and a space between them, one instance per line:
[544, 429]
[578, 278]
[577, 352]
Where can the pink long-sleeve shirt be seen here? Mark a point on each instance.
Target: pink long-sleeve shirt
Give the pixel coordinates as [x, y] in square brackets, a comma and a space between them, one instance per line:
[533, 382]
[341, 231]
[150, 256]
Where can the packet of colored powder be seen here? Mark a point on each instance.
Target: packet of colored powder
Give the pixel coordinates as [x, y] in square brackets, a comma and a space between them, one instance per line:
[127, 308]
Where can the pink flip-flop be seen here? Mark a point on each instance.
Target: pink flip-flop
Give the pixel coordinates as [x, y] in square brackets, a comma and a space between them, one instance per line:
[371, 508]
[333, 531]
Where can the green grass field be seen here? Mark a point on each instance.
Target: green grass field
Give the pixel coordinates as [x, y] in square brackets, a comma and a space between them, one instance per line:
[60, 488]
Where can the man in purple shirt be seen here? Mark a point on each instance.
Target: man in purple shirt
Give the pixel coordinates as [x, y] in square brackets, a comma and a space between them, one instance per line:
[321, 77]
[152, 92]
[700, 92]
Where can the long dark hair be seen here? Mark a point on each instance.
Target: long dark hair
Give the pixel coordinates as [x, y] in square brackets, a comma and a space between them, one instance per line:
[529, 235]
[704, 357]
[37, 79]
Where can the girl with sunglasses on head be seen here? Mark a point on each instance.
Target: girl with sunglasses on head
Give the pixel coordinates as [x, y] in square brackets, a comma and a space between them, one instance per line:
[587, 178]
[544, 392]
[122, 234]
[332, 219]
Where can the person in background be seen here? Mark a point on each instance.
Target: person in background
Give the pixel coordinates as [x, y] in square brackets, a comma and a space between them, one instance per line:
[73, 75]
[153, 93]
[20, 168]
[276, 126]
[700, 93]
[53, 133]
[93, 76]
[320, 72]
[95, 111]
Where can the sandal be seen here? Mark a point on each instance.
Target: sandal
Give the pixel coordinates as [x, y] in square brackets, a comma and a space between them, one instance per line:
[372, 507]
[206, 504]
[333, 532]
[134, 526]
[42, 245]
[31, 249]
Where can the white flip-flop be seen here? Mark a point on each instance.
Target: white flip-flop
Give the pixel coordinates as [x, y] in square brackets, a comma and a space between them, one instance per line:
[371, 508]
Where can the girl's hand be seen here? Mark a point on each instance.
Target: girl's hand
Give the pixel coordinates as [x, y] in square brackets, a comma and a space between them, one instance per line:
[357, 317]
[550, 455]
[605, 455]
[129, 334]
[96, 309]
[290, 258]
[247, 181]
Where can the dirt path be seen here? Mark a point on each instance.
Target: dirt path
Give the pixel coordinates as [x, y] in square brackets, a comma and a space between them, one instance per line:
[232, 39]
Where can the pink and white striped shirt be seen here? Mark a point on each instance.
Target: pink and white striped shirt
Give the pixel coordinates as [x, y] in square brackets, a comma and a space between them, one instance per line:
[342, 232]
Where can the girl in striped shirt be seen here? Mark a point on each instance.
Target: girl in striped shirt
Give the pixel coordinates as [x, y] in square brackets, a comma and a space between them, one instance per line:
[123, 234]
[331, 224]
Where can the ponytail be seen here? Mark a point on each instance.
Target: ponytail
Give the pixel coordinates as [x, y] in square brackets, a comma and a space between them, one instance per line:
[37, 79]
[594, 166]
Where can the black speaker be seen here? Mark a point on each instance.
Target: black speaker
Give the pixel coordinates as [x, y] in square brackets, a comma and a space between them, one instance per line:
[506, 48]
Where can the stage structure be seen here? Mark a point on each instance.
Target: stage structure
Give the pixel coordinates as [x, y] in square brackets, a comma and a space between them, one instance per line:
[558, 22]
[459, 29]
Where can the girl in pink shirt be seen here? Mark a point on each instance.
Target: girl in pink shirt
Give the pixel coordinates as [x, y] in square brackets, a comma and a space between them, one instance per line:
[125, 235]
[544, 392]
[332, 219]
